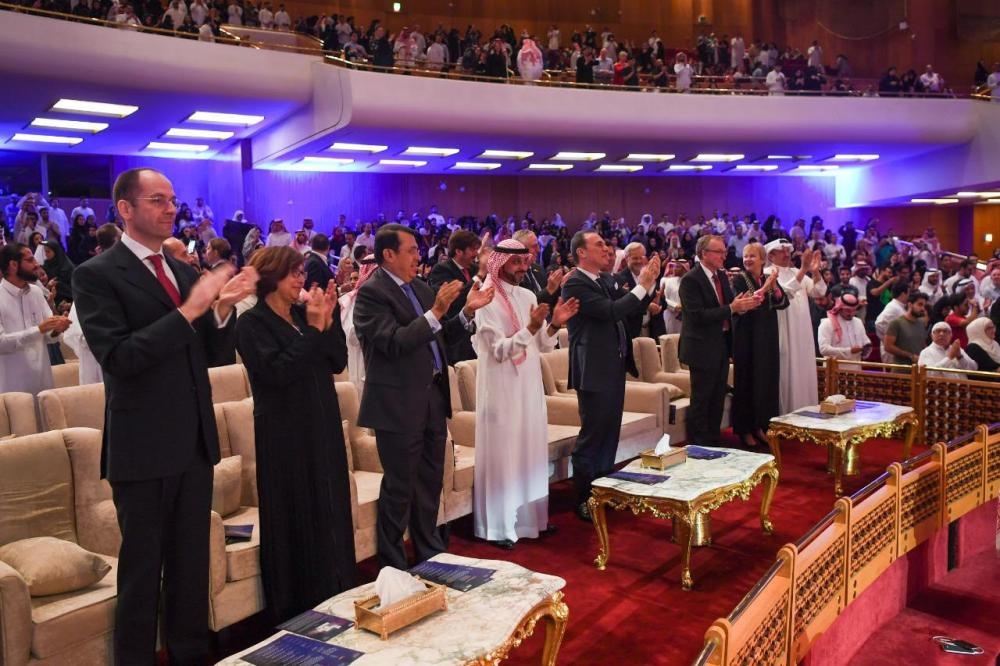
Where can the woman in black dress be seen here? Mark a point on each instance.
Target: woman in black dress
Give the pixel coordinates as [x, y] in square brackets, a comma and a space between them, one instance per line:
[291, 352]
[755, 350]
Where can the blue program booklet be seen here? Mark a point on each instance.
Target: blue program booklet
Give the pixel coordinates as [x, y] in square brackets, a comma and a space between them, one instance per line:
[292, 650]
[317, 625]
[700, 453]
[456, 576]
[639, 477]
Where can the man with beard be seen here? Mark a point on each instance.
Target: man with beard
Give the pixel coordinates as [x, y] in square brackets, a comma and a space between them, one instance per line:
[26, 324]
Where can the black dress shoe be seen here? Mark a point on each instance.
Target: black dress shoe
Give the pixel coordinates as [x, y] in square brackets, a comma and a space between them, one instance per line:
[549, 529]
[503, 544]
[582, 512]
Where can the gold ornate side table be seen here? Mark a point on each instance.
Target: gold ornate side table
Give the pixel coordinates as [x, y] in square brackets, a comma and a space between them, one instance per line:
[843, 434]
[480, 627]
[687, 495]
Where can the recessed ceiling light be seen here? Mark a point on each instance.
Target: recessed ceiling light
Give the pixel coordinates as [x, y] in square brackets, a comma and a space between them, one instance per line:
[183, 133]
[78, 125]
[688, 167]
[408, 163]
[223, 118]
[550, 167]
[935, 201]
[628, 168]
[756, 167]
[327, 161]
[817, 167]
[649, 157]
[506, 154]
[433, 152]
[45, 138]
[851, 157]
[970, 195]
[357, 148]
[477, 166]
[717, 157]
[177, 147]
[94, 108]
[569, 156]
[991, 201]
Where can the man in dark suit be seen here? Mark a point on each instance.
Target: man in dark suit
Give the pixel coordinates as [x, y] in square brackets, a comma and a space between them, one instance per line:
[463, 248]
[403, 330]
[648, 318]
[317, 264]
[146, 317]
[598, 352]
[546, 288]
[705, 343]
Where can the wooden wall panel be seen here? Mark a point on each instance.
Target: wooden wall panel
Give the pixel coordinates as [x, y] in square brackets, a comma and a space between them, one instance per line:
[985, 220]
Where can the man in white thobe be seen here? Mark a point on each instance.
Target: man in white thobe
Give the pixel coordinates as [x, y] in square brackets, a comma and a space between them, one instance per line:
[796, 348]
[943, 352]
[26, 324]
[511, 488]
[355, 357]
[841, 334]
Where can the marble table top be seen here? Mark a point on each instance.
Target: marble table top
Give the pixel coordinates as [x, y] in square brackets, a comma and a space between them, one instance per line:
[865, 414]
[692, 478]
[475, 622]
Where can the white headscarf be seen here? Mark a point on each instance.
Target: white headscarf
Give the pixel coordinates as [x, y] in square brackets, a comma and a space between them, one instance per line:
[977, 336]
[934, 291]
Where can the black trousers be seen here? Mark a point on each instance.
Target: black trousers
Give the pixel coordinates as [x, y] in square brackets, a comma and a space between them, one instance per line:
[164, 524]
[413, 465]
[600, 428]
[708, 397]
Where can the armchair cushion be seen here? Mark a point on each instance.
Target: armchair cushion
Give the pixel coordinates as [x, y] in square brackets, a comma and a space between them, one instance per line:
[368, 484]
[53, 566]
[243, 557]
[465, 461]
[227, 485]
[37, 485]
[63, 621]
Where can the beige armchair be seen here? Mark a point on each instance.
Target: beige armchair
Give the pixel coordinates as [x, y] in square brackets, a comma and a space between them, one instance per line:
[72, 407]
[235, 591]
[53, 488]
[17, 414]
[365, 471]
[66, 374]
[648, 361]
[229, 382]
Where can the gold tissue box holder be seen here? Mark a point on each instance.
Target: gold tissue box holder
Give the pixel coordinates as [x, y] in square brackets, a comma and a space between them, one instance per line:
[837, 408]
[384, 621]
[675, 456]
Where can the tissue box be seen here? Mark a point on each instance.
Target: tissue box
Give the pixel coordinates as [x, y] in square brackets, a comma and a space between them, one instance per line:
[836, 408]
[384, 621]
[674, 456]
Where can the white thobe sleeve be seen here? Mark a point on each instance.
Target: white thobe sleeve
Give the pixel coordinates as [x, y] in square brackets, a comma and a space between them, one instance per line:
[816, 288]
[73, 336]
[826, 347]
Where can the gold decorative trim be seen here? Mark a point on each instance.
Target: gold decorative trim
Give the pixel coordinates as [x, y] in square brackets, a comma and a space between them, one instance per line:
[554, 612]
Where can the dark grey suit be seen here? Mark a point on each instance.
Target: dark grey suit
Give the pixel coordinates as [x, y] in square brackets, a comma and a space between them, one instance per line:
[406, 404]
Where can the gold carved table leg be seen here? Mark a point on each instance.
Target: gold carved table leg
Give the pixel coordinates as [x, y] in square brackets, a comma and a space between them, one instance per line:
[909, 435]
[700, 529]
[774, 443]
[852, 459]
[683, 531]
[597, 514]
[555, 613]
[770, 484]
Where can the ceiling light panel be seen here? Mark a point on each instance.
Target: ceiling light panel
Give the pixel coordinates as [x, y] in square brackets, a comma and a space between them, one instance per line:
[621, 168]
[215, 118]
[357, 148]
[549, 167]
[569, 156]
[717, 157]
[506, 154]
[756, 167]
[327, 161]
[184, 133]
[72, 125]
[789, 157]
[46, 138]
[177, 147]
[403, 163]
[648, 157]
[941, 201]
[816, 168]
[476, 166]
[688, 167]
[94, 108]
[852, 157]
[430, 152]
[971, 195]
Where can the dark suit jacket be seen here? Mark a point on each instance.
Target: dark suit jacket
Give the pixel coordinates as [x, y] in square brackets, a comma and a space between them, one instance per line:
[542, 294]
[317, 270]
[703, 341]
[158, 401]
[399, 364]
[459, 347]
[594, 362]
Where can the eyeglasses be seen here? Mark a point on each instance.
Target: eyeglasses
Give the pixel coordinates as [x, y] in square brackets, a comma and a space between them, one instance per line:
[716, 251]
[298, 273]
[160, 201]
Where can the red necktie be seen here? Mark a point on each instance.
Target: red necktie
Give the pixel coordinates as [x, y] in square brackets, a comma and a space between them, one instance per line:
[161, 276]
[465, 272]
[722, 299]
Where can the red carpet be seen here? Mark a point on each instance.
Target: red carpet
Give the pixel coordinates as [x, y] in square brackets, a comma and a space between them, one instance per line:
[635, 611]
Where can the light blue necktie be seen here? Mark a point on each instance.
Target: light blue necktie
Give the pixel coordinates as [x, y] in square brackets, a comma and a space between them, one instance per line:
[408, 290]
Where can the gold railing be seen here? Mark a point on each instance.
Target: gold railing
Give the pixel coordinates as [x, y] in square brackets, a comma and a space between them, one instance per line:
[946, 406]
[706, 85]
[814, 579]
